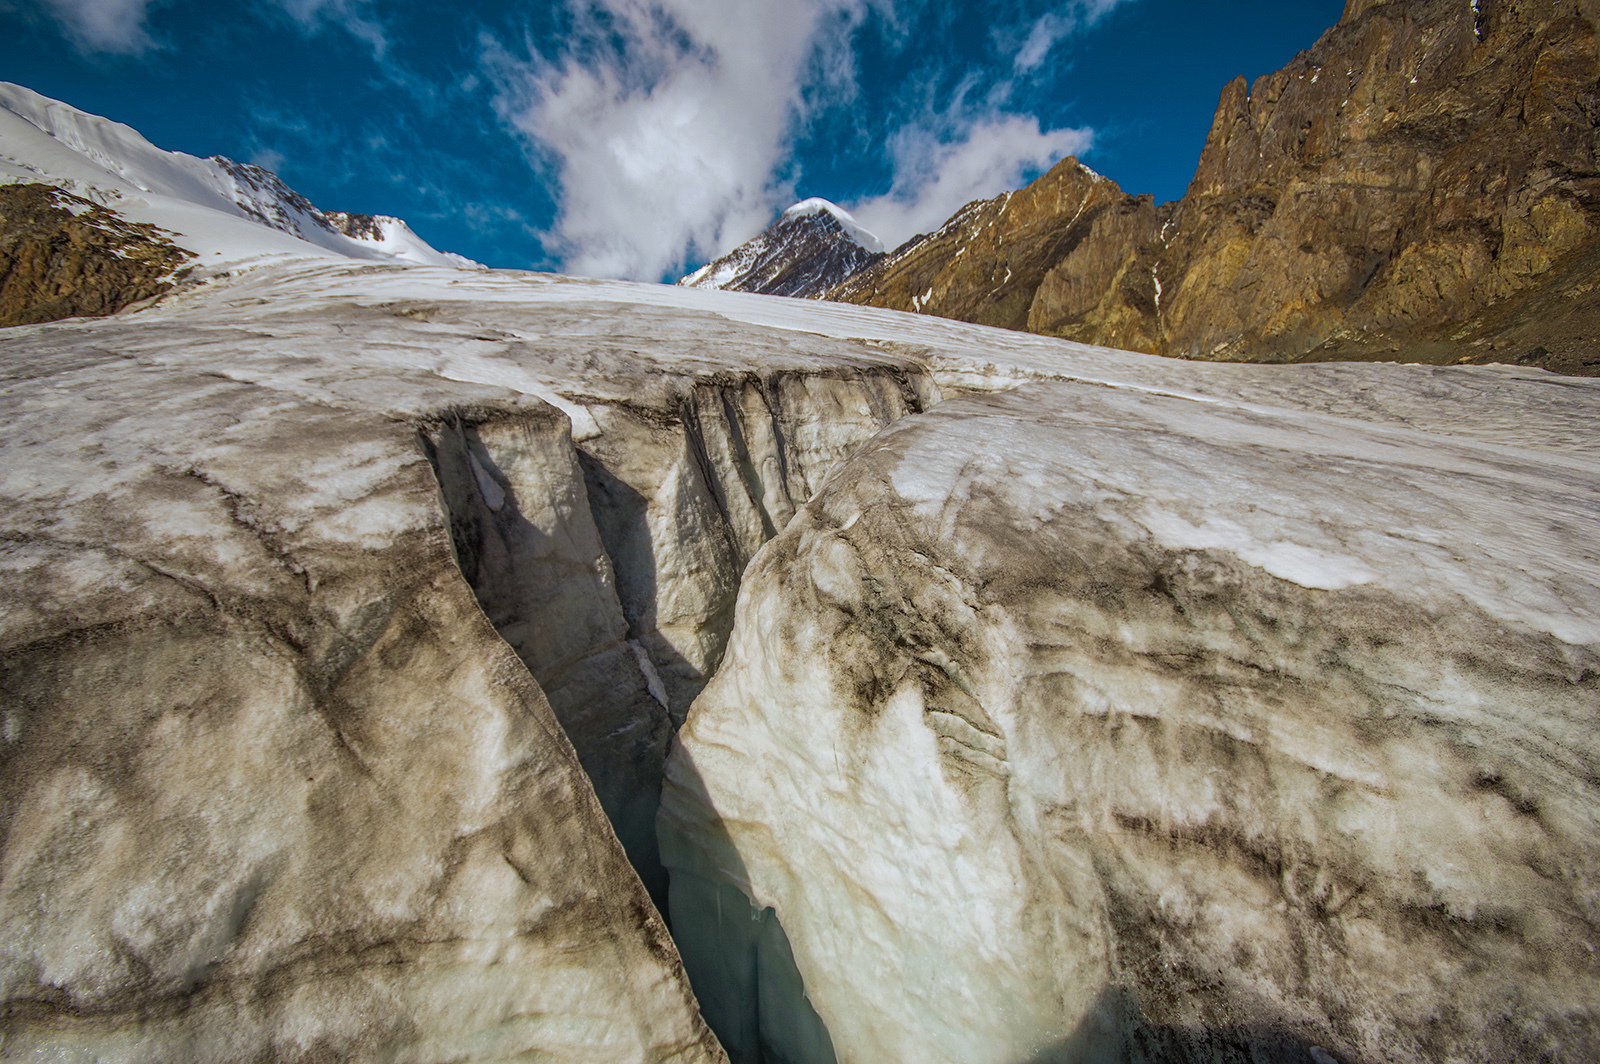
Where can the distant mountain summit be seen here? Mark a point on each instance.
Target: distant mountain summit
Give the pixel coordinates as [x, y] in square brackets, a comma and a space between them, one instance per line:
[812, 246]
[217, 209]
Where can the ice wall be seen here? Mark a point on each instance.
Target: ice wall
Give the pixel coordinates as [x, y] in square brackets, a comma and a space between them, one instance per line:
[1089, 722]
[272, 787]
[611, 567]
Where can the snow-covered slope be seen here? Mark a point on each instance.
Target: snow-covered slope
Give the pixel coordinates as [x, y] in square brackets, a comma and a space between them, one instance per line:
[223, 211]
[812, 246]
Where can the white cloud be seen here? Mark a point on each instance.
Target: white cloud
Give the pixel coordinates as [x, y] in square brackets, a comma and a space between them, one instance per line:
[1043, 37]
[354, 16]
[102, 25]
[671, 122]
[1054, 26]
[671, 125]
[937, 174]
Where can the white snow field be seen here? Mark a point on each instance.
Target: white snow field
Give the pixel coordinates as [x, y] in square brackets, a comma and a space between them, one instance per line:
[224, 212]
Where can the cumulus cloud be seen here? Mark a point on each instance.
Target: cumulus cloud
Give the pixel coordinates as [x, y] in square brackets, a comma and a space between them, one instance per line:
[936, 175]
[1052, 27]
[670, 122]
[670, 126]
[115, 26]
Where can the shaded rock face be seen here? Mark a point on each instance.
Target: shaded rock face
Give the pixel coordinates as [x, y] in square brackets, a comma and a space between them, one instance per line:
[359, 226]
[63, 257]
[798, 255]
[1399, 191]
[1092, 723]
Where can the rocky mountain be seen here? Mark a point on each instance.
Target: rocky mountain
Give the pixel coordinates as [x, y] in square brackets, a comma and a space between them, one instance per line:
[1420, 185]
[986, 262]
[218, 210]
[810, 248]
[62, 256]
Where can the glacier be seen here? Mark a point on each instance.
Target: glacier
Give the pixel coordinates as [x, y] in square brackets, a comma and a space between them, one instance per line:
[1247, 720]
[961, 695]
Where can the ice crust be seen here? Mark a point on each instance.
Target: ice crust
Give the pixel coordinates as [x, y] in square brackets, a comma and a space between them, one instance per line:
[1076, 721]
[1484, 436]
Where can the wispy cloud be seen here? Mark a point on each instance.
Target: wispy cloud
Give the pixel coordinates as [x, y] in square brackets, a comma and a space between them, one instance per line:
[356, 17]
[104, 26]
[670, 123]
[119, 26]
[1055, 26]
[937, 173]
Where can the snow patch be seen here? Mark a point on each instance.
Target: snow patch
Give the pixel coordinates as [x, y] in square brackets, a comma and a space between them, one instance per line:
[852, 228]
[1296, 562]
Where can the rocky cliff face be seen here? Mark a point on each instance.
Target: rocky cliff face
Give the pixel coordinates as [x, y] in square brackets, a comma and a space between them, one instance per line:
[985, 264]
[62, 256]
[811, 248]
[1251, 720]
[1421, 184]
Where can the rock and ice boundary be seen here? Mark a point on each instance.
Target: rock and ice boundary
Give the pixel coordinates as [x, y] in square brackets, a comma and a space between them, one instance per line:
[1147, 711]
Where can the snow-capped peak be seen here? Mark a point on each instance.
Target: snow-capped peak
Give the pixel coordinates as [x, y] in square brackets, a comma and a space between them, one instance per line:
[852, 228]
[810, 248]
[221, 210]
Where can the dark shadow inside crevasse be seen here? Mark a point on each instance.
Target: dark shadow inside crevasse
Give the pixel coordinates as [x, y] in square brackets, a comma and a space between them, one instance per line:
[736, 953]
[538, 587]
[744, 975]
[521, 537]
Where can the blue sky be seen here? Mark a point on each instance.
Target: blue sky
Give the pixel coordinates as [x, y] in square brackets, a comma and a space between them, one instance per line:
[638, 138]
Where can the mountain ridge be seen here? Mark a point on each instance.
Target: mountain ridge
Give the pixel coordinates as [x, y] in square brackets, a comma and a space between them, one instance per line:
[217, 209]
[1405, 189]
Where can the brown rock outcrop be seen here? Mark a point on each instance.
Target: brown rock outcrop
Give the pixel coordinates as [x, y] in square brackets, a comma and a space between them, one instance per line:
[1400, 190]
[65, 257]
[985, 263]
